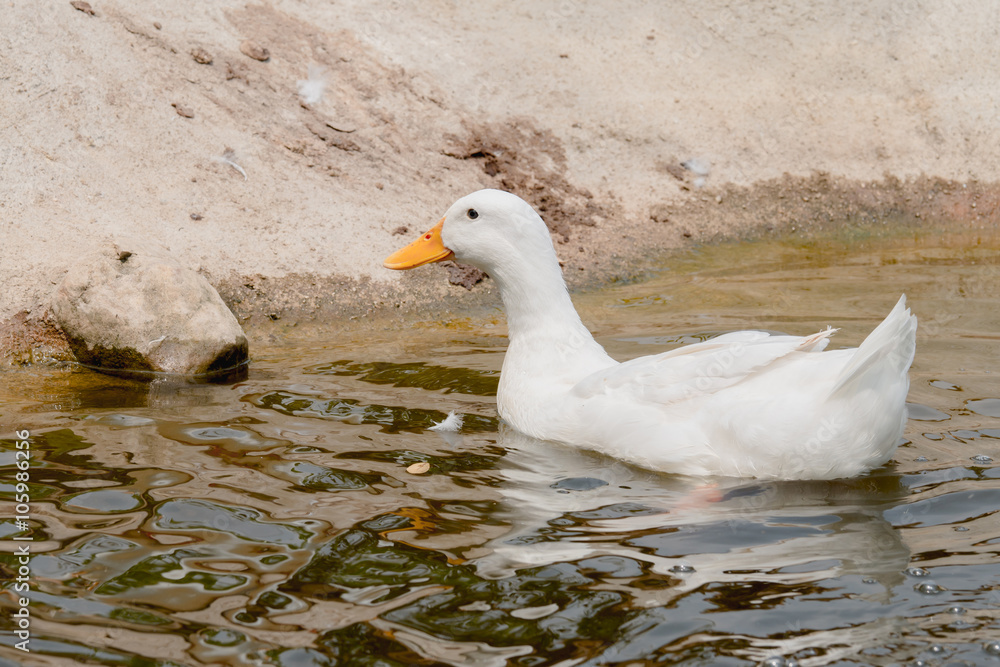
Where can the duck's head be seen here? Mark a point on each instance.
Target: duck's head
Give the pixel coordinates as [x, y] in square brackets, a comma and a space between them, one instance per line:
[487, 229]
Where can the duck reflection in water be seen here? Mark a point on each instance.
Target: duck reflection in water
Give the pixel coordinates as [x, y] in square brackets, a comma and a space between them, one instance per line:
[566, 504]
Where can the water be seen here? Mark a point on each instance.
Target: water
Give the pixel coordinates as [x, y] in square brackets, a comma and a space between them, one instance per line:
[274, 520]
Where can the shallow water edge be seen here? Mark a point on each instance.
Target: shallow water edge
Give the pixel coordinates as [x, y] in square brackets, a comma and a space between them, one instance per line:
[615, 250]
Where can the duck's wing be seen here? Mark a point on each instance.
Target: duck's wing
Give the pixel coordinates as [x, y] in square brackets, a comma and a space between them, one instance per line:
[699, 369]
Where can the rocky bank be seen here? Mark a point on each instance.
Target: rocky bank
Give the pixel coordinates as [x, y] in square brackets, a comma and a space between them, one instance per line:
[282, 149]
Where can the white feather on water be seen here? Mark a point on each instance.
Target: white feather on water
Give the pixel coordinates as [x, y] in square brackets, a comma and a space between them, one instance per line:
[453, 422]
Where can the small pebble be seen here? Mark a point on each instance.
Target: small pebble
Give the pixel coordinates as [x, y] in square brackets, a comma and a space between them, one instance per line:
[254, 50]
[157, 25]
[201, 56]
[182, 110]
[84, 7]
[419, 468]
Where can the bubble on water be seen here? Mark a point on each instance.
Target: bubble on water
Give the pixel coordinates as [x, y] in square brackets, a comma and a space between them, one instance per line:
[779, 661]
[961, 529]
[916, 572]
[935, 648]
[682, 568]
[922, 459]
[124, 420]
[869, 580]
[928, 588]
[981, 458]
[962, 625]
[956, 610]
[919, 663]
[992, 648]
[775, 661]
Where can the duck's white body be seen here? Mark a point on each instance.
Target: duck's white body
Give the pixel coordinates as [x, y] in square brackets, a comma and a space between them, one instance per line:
[746, 404]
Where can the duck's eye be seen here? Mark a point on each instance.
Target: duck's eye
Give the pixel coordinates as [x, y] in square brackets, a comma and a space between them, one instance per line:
[472, 213]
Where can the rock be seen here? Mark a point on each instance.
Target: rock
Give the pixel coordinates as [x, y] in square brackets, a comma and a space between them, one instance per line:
[660, 213]
[254, 50]
[132, 307]
[84, 7]
[201, 56]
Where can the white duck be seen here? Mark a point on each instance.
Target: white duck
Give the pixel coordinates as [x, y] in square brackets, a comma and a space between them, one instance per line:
[746, 404]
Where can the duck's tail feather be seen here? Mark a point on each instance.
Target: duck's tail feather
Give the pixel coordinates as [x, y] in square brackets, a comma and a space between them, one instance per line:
[885, 356]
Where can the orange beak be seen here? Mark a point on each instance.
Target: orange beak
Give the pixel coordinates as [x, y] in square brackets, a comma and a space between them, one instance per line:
[428, 248]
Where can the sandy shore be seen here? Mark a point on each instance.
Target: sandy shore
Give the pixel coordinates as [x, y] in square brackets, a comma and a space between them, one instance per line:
[634, 127]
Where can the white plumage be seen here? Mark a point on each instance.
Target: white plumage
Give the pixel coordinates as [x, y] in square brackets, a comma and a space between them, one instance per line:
[746, 404]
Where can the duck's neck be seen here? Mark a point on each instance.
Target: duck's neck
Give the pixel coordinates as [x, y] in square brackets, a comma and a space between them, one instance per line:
[541, 320]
